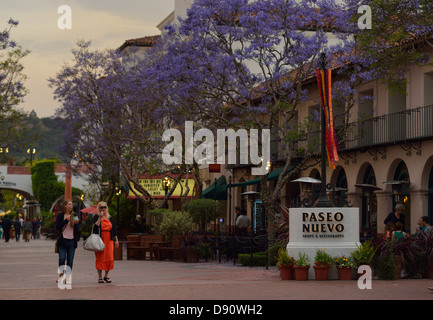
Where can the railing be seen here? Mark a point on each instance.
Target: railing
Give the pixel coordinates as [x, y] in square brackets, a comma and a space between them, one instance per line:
[400, 127]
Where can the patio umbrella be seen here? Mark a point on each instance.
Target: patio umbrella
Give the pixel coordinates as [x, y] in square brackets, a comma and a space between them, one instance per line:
[90, 210]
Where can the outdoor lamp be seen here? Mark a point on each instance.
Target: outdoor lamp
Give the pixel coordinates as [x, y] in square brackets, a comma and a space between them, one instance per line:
[397, 189]
[31, 152]
[166, 184]
[307, 184]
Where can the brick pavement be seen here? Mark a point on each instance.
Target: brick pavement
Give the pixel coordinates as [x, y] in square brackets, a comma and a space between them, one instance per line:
[29, 270]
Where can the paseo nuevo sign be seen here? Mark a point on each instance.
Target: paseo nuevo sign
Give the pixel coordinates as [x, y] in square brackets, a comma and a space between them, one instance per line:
[333, 229]
[322, 224]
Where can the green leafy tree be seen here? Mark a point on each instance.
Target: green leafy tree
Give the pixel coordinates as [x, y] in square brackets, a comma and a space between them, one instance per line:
[203, 211]
[46, 188]
[12, 90]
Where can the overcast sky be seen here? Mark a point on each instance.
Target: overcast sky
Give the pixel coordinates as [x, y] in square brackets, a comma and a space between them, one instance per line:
[108, 23]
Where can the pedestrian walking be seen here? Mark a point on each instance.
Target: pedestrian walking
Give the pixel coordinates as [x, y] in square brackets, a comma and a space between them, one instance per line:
[67, 226]
[1, 228]
[104, 225]
[27, 228]
[6, 227]
[17, 226]
[38, 230]
[34, 227]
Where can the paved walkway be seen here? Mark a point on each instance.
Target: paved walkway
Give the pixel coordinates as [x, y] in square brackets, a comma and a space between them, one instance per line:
[29, 270]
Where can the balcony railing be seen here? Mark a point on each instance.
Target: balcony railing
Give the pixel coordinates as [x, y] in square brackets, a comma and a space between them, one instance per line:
[395, 128]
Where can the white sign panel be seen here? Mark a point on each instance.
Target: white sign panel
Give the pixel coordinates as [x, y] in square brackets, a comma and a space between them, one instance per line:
[334, 229]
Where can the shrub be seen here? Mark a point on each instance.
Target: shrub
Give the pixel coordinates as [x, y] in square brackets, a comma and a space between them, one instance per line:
[259, 259]
[203, 211]
[385, 261]
[175, 223]
[157, 214]
[364, 254]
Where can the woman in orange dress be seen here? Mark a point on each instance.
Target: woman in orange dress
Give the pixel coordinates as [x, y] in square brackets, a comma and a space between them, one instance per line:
[104, 225]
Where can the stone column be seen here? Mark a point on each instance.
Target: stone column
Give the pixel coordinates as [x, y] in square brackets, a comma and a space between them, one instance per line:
[384, 207]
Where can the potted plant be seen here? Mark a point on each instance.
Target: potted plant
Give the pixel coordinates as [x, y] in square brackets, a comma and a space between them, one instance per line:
[285, 264]
[364, 254]
[344, 267]
[204, 250]
[322, 262]
[301, 267]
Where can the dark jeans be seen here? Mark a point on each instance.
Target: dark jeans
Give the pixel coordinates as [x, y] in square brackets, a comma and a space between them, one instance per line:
[67, 252]
[7, 234]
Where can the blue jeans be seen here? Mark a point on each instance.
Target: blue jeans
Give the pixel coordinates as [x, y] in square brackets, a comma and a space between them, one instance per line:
[67, 252]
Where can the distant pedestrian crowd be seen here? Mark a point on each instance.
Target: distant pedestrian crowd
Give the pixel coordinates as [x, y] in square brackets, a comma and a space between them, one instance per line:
[30, 229]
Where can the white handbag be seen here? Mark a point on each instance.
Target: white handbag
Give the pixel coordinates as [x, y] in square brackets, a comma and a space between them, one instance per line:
[94, 243]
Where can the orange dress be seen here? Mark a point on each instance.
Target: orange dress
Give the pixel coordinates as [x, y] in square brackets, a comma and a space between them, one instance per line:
[105, 259]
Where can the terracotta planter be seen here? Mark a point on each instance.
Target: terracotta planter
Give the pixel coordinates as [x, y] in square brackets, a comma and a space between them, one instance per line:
[286, 272]
[344, 273]
[321, 272]
[301, 273]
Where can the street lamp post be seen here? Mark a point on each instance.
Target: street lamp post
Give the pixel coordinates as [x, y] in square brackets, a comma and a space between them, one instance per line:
[31, 152]
[166, 186]
[4, 152]
[323, 199]
[118, 194]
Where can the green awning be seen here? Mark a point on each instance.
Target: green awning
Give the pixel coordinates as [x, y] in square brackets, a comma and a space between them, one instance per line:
[246, 183]
[217, 190]
[276, 173]
[272, 176]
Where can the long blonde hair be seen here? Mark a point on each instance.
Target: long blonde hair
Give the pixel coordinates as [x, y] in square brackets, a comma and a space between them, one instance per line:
[63, 209]
[102, 203]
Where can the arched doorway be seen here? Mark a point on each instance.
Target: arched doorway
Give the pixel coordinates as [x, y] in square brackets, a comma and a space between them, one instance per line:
[23, 203]
[369, 202]
[401, 193]
[341, 185]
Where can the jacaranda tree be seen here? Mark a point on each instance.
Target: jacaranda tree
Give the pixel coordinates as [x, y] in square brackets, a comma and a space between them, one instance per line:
[246, 64]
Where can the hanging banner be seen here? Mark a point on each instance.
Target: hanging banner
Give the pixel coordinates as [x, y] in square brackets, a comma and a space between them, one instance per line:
[324, 83]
